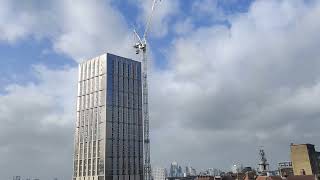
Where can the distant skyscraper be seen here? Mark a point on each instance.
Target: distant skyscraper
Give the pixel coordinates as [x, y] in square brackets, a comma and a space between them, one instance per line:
[108, 137]
[175, 170]
[159, 173]
[190, 171]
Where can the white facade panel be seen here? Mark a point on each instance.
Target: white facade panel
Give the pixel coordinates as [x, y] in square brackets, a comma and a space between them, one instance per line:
[102, 66]
[84, 70]
[78, 103]
[92, 68]
[87, 87]
[96, 69]
[88, 70]
[79, 88]
[79, 72]
[102, 82]
[102, 98]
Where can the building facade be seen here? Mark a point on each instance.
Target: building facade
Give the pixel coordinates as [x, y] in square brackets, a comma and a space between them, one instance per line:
[108, 143]
[285, 169]
[159, 173]
[305, 159]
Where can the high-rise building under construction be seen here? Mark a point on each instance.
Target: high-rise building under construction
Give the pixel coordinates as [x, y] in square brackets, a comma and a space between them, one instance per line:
[109, 126]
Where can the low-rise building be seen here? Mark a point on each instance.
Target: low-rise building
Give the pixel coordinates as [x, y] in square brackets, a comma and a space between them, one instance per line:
[285, 169]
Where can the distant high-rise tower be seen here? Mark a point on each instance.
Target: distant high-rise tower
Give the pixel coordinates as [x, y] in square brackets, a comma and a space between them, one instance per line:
[175, 170]
[109, 128]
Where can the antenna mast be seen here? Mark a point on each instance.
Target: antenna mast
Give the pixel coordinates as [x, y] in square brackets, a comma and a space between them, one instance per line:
[141, 46]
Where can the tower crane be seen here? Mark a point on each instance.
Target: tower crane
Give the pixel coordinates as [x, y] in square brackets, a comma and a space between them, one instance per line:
[141, 46]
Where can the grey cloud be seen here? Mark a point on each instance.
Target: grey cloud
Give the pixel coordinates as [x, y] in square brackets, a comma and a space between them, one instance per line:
[225, 92]
[37, 126]
[235, 89]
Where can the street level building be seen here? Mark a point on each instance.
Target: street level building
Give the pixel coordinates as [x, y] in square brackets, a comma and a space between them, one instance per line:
[285, 169]
[305, 159]
[108, 137]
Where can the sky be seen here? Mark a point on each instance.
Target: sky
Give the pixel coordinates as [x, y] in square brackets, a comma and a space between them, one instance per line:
[225, 78]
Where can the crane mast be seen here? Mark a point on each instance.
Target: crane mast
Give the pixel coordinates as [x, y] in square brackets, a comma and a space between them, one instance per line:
[141, 46]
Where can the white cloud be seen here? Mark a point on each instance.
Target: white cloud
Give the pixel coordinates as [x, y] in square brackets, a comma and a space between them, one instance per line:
[226, 90]
[184, 27]
[91, 28]
[162, 18]
[37, 122]
[229, 90]
[79, 30]
[37, 119]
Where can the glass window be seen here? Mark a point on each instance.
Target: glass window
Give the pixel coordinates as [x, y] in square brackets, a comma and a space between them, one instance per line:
[125, 84]
[116, 67]
[130, 70]
[109, 166]
[125, 114]
[120, 83]
[120, 68]
[109, 114]
[140, 118]
[101, 131]
[110, 65]
[134, 71]
[120, 114]
[100, 149]
[75, 168]
[80, 168]
[135, 86]
[110, 82]
[89, 167]
[97, 83]
[125, 100]
[100, 166]
[109, 129]
[121, 99]
[109, 148]
[84, 167]
[139, 72]
[115, 98]
[131, 85]
[115, 114]
[102, 96]
[110, 98]
[121, 131]
[115, 82]
[125, 70]
[93, 167]
[94, 148]
[85, 150]
[115, 131]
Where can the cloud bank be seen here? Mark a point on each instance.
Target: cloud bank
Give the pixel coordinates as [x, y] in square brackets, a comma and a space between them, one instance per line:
[226, 90]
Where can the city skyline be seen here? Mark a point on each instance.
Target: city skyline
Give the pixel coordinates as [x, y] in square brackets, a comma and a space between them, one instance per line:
[225, 77]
